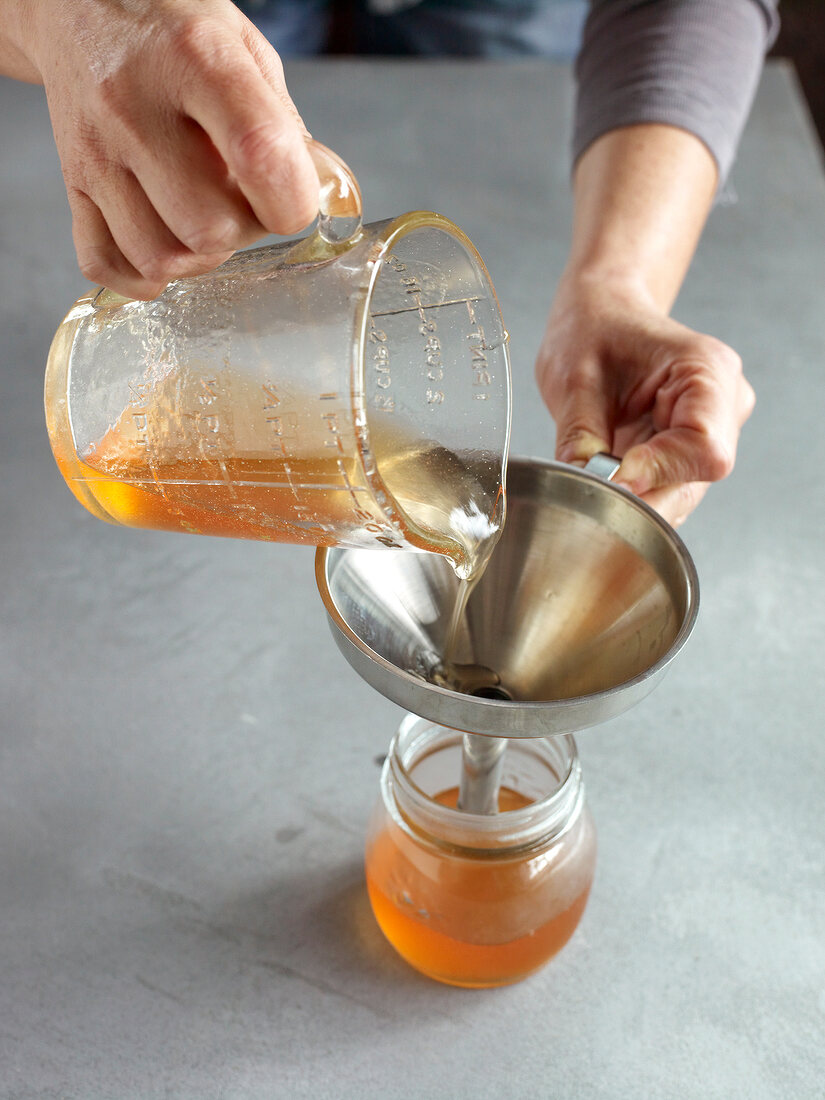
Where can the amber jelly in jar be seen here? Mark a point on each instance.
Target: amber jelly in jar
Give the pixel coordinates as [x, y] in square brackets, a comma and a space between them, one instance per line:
[479, 900]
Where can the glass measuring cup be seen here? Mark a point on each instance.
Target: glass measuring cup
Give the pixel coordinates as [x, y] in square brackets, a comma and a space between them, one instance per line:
[351, 388]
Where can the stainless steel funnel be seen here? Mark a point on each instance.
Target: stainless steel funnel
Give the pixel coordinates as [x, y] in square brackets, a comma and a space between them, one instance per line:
[587, 599]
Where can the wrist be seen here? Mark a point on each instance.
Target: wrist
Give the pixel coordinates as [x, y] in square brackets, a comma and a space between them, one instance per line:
[642, 194]
[623, 285]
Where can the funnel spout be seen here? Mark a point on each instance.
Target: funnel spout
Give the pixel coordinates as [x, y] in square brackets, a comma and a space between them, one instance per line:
[482, 762]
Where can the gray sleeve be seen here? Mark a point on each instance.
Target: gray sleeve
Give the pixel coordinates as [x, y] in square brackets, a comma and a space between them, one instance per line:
[694, 64]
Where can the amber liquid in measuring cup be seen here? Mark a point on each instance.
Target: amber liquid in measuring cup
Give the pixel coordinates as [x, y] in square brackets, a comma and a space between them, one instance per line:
[457, 509]
[333, 395]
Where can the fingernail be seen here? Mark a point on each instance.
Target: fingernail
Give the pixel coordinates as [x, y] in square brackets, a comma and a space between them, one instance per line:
[581, 450]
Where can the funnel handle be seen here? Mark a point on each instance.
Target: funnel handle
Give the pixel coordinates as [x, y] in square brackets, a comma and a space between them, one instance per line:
[603, 465]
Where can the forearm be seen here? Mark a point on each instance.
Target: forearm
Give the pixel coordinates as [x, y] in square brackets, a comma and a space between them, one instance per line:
[664, 90]
[642, 194]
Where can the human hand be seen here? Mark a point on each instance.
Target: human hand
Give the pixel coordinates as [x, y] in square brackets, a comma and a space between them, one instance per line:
[619, 375]
[178, 139]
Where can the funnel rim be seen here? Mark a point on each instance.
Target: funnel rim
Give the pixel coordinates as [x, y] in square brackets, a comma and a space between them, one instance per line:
[526, 714]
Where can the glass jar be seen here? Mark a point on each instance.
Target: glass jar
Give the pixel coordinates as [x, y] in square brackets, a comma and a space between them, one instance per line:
[479, 900]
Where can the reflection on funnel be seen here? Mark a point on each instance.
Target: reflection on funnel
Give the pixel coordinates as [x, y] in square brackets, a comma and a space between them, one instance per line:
[588, 597]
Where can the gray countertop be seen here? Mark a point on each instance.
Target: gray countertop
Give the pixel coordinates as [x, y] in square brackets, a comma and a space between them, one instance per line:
[187, 764]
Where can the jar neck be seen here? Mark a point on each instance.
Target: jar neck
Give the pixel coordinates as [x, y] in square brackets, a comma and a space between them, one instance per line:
[425, 759]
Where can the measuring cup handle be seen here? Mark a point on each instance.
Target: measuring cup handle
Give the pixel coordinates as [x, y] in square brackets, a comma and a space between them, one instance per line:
[339, 204]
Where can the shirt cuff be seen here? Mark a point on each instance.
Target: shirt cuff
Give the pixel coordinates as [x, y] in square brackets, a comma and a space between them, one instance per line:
[694, 64]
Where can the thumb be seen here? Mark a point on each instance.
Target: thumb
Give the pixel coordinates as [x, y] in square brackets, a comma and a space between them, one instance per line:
[582, 426]
[256, 129]
[641, 471]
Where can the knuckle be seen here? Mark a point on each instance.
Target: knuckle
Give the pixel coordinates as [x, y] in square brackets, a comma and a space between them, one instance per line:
[156, 267]
[220, 235]
[583, 382]
[704, 358]
[716, 355]
[96, 266]
[197, 49]
[718, 458]
[748, 399]
[572, 388]
[197, 41]
[661, 467]
[551, 380]
[86, 162]
[106, 97]
[261, 150]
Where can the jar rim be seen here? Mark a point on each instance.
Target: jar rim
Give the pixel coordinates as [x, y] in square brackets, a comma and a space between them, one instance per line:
[418, 813]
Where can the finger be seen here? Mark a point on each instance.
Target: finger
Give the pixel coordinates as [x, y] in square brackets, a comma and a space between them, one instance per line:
[677, 503]
[142, 236]
[186, 182]
[258, 133]
[628, 434]
[98, 255]
[698, 415]
[581, 409]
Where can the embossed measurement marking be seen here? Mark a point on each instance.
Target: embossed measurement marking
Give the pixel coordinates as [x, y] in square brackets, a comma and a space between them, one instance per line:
[417, 306]
[478, 346]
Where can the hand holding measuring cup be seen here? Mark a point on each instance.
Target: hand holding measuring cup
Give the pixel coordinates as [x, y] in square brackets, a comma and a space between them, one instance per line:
[351, 388]
[177, 136]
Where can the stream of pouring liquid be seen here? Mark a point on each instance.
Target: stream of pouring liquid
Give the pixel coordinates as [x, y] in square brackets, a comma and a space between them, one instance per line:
[482, 757]
[476, 528]
[463, 501]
